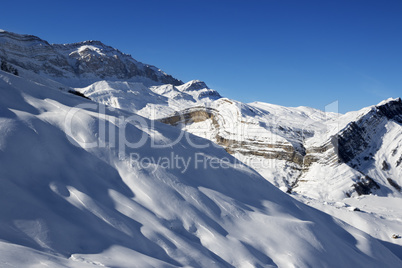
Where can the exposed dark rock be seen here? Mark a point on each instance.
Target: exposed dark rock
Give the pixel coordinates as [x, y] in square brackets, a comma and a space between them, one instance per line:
[365, 186]
[351, 142]
[392, 110]
[385, 166]
[399, 161]
[356, 137]
[77, 93]
[4, 66]
[394, 184]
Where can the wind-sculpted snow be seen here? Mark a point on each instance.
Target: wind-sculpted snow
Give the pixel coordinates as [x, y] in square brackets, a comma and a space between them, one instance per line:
[83, 185]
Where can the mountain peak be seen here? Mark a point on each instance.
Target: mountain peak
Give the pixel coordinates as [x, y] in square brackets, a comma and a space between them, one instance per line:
[193, 85]
[77, 64]
[199, 90]
[389, 100]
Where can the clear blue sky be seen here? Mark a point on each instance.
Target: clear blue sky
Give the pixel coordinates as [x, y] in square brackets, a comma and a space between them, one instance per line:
[290, 53]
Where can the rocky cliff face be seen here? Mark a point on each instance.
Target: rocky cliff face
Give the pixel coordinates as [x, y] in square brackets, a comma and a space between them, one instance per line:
[280, 138]
[358, 135]
[228, 139]
[253, 135]
[365, 149]
[77, 65]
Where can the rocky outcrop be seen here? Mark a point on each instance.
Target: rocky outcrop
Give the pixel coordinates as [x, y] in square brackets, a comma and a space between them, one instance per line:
[327, 154]
[392, 109]
[280, 151]
[358, 135]
[191, 115]
[4, 66]
[394, 184]
[365, 186]
[356, 144]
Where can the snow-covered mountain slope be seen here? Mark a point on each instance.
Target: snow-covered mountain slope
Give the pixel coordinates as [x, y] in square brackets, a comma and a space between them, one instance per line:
[269, 138]
[360, 158]
[78, 64]
[102, 73]
[319, 154]
[323, 159]
[154, 102]
[294, 148]
[72, 196]
[379, 216]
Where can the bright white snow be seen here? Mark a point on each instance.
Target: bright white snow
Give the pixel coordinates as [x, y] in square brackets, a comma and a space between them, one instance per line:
[68, 203]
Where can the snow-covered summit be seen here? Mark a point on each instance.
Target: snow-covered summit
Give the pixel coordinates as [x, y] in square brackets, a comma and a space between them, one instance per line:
[193, 85]
[199, 90]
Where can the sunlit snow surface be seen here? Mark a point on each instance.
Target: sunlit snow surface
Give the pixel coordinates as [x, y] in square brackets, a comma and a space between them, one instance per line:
[152, 101]
[65, 204]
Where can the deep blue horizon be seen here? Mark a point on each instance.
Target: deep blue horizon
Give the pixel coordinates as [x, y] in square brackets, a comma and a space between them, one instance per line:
[290, 53]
